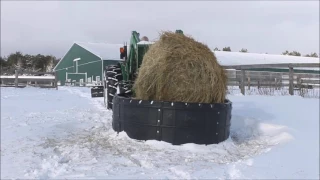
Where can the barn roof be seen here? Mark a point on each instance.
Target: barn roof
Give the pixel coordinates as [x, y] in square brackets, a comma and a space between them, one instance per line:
[105, 51]
[240, 58]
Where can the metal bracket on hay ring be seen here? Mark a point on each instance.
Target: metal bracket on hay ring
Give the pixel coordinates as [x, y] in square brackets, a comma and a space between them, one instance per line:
[173, 122]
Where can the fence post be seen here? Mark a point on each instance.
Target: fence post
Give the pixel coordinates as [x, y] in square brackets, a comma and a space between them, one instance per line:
[16, 78]
[291, 92]
[277, 83]
[249, 83]
[56, 79]
[299, 82]
[280, 80]
[242, 85]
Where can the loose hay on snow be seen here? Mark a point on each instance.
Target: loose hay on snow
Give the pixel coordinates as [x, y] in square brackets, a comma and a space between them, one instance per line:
[178, 68]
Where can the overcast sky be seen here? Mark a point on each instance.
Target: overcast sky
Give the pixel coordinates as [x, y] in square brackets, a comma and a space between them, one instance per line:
[50, 27]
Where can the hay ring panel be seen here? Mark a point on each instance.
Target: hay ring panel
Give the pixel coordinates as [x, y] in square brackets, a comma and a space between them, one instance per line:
[173, 122]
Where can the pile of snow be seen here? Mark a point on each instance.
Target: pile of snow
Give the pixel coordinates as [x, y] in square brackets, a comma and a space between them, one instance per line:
[67, 134]
[145, 42]
[226, 58]
[27, 77]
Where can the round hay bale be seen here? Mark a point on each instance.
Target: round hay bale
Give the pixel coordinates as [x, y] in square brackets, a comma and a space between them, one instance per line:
[177, 68]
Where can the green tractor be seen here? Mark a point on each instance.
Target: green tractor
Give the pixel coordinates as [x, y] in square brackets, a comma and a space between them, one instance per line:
[120, 77]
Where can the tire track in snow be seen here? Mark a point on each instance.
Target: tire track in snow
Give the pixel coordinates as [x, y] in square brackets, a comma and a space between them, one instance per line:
[59, 164]
[100, 145]
[100, 105]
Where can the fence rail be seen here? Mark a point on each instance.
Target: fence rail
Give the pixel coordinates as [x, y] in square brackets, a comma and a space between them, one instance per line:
[19, 80]
[279, 65]
[244, 75]
[238, 75]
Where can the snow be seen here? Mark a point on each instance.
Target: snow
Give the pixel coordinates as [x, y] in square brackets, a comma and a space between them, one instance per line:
[105, 51]
[239, 58]
[27, 77]
[145, 42]
[64, 133]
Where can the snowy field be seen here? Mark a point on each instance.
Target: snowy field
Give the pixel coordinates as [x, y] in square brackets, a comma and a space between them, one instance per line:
[57, 134]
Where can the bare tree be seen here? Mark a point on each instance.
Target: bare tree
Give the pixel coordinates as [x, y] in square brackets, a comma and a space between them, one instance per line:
[20, 64]
[50, 65]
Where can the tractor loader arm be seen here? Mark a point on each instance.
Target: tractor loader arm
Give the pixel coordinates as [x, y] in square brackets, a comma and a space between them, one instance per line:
[129, 66]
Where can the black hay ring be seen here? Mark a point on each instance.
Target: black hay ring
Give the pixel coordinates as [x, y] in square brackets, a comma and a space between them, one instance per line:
[173, 122]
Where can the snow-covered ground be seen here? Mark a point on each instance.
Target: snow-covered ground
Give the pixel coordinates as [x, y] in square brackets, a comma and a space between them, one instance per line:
[271, 91]
[48, 133]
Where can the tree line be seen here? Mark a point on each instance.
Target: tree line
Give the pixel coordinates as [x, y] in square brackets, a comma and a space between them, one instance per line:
[27, 62]
[292, 53]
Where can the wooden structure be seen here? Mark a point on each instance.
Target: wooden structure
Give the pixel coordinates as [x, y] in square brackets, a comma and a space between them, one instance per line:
[33, 79]
[246, 75]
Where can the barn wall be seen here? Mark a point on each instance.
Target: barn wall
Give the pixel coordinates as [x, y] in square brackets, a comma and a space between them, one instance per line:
[89, 63]
[62, 74]
[76, 78]
[92, 69]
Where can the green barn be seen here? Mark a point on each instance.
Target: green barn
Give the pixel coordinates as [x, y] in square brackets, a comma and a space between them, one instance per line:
[83, 63]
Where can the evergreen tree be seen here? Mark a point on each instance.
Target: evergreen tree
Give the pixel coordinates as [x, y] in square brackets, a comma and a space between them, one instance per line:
[312, 55]
[226, 49]
[243, 50]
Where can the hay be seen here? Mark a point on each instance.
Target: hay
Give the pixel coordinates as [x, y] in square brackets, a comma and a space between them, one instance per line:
[177, 68]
